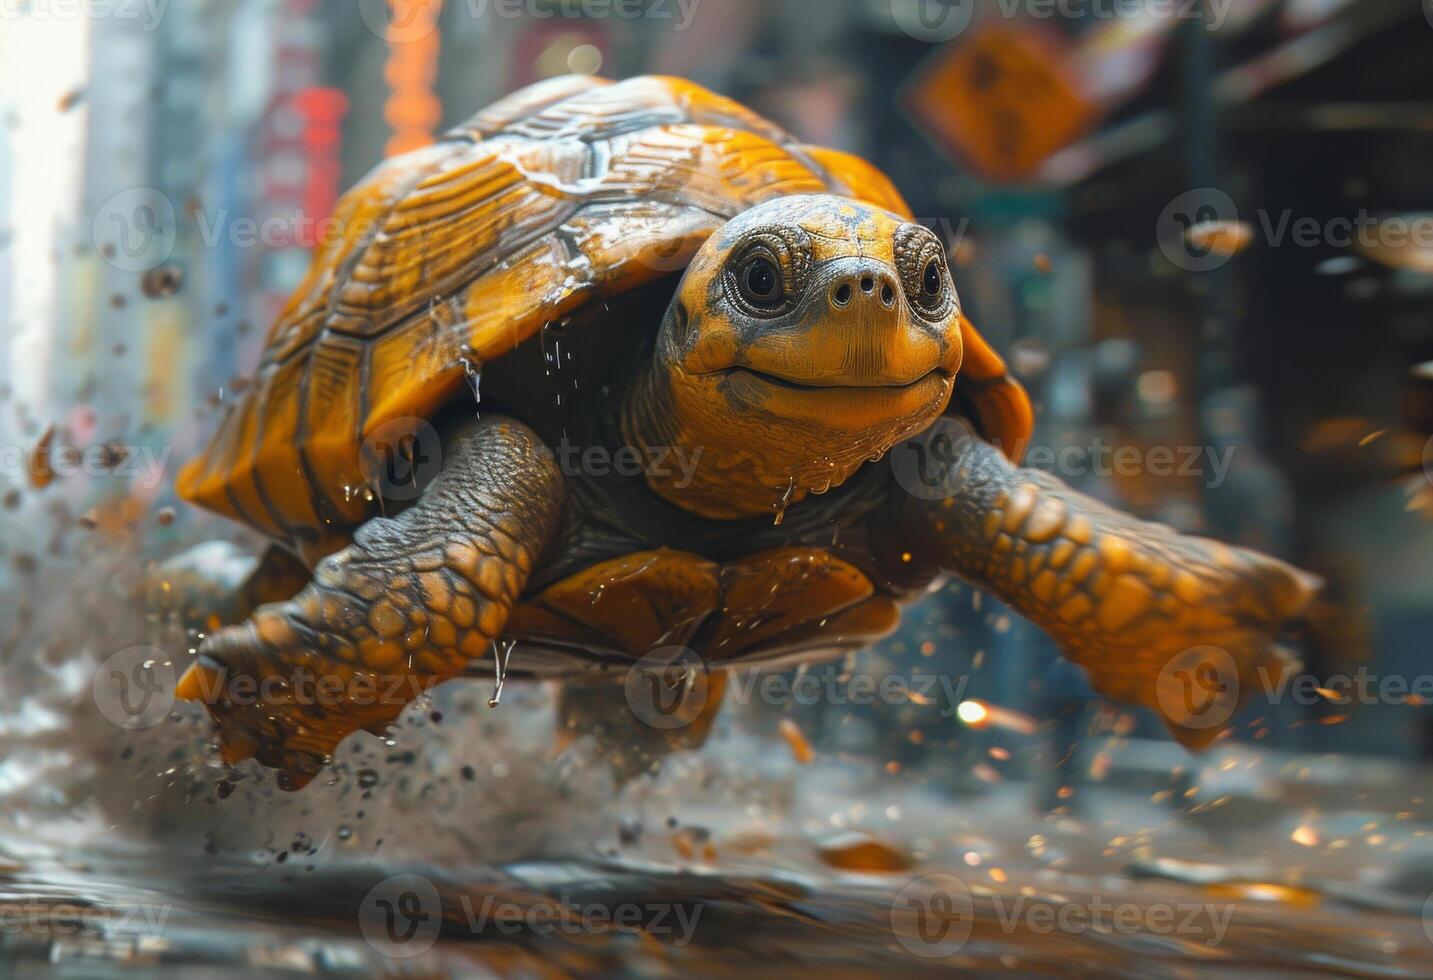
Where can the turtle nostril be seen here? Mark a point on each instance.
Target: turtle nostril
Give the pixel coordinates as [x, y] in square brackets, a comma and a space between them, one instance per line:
[888, 295]
[842, 294]
[867, 284]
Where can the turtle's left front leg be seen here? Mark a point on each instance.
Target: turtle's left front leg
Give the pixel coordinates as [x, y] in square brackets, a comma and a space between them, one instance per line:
[1181, 624]
[412, 602]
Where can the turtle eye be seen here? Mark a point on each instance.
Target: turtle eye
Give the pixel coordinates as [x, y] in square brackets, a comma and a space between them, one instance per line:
[760, 283]
[920, 257]
[931, 280]
[768, 271]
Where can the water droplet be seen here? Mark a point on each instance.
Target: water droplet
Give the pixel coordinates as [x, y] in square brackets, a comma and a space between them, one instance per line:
[500, 668]
[473, 372]
[785, 502]
[552, 336]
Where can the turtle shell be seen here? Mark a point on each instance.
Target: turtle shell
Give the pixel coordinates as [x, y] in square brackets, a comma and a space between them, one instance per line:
[571, 190]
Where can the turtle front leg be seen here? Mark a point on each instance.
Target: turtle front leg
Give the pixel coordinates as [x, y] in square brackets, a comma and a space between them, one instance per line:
[1181, 624]
[412, 602]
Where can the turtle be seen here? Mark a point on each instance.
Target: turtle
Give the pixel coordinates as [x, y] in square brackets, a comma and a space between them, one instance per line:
[622, 373]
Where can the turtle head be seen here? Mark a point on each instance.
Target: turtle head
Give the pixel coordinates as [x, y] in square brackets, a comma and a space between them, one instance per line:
[808, 335]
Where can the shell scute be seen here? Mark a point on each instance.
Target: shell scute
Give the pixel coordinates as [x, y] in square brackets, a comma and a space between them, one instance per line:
[569, 191]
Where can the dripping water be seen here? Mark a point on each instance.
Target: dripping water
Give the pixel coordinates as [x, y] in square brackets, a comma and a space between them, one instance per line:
[500, 669]
[552, 335]
[556, 363]
[785, 502]
[473, 373]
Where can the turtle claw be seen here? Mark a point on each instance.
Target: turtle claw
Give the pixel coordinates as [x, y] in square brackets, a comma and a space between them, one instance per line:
[204, 682]
[199, 683]
[275, 698]
[409, 604]
[1184, 625]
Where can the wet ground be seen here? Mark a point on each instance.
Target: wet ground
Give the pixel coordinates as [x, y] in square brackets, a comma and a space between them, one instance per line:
[475, 841]
[1272, 866]
[121, 916]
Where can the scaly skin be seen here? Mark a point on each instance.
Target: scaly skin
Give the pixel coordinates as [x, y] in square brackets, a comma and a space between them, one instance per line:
[1122, 597]
[412, 602]
[805, 338]
[780, 402]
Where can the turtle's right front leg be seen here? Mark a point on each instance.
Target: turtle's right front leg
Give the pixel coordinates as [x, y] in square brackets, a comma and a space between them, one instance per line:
[412, 602]
[1181, 624]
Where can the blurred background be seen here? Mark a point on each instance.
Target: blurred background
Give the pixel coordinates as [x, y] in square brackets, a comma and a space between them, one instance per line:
[1202, 226]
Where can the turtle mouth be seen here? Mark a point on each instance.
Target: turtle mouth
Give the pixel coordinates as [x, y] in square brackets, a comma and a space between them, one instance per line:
[795, 384]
